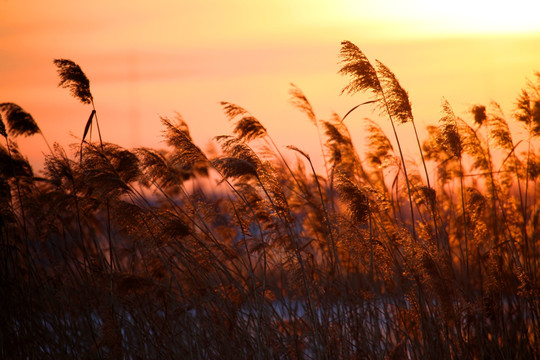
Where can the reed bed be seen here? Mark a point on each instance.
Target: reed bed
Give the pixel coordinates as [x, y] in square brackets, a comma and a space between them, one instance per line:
[130, 253]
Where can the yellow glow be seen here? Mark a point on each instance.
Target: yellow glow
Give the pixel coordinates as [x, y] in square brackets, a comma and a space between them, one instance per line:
[148, 58]
[428, 18]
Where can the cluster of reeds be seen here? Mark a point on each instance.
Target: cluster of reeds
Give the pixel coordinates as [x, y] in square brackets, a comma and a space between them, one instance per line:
[244, 254]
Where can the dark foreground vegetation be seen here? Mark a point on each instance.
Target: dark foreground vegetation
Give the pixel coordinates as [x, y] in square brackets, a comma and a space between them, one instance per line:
[243, 254]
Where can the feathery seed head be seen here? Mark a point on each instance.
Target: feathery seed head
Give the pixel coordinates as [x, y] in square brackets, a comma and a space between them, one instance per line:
[479, 112]
[181, 125]
[523, 107]
[247, 128]
[299, 100]
[232, 110]
[231, 167]
[450, 138]
[341, 149]
[396, 97]
[528, 108]
[58, 167]
[74, 79]
[236, 149]
[432, 145]
[472, 145]
[476, 202]
[380, 148]
[303, 153]
[499, 131]
[187, 155]
[108, 170]
[19, 121]
[355, 198]
[157, 169]
[335, 133]
[356, 64]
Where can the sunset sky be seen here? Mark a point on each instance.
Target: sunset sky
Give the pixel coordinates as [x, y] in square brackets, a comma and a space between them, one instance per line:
[149, 59]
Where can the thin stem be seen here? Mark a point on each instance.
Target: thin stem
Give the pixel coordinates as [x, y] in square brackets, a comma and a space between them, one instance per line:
[465, 225]
[403, 163]
[432, 208]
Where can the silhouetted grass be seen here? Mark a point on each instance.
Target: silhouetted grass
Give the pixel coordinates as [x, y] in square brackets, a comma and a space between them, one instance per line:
[130, 253]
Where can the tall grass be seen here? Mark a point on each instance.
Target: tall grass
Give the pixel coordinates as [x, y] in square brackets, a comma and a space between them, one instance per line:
[130, 253]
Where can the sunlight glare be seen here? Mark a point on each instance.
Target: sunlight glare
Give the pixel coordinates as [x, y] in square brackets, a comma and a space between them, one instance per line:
[428, 18]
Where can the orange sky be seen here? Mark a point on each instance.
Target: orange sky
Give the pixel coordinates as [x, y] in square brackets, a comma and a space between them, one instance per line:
[146, 59]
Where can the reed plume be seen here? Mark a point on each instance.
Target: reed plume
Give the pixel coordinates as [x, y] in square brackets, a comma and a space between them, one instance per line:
[19, 121]
[246, 126]
[451, 140]
[479, 113]
[187, 156]
[108, 172]
[241, 161]
[380, 152]
[157, 169]
[231, 167]
[232, 110]
[341, 152]
[73, 78]
[390, 95]
[499, 131]
[263, 260]
[500, 137]
[355, 198]
[472, 145]
[60, 169]
[396, 99]
[380, 80]
[450, 137]
[357, 66]
[528, 112]
[236, 149]
[300, 101]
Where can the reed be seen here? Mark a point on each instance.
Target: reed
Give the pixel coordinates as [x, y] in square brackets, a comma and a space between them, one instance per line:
[244, 253]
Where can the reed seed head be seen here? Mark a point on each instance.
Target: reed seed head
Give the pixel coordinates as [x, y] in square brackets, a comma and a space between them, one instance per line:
[19, 121]
[73, 78]
[449, 132]
[247, 127]
[299, 100]
[397, 99]
[357, 66]
[355, 198]
[479, 112]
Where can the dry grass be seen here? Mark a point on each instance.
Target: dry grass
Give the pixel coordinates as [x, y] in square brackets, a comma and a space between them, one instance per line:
[118, 253]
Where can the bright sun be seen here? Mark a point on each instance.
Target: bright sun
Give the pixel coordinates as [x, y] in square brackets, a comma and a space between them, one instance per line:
[448, 17]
